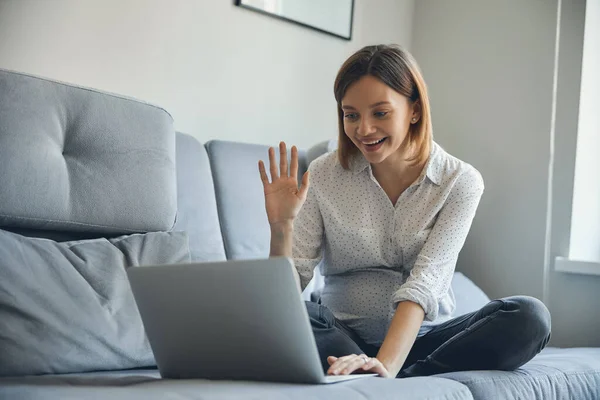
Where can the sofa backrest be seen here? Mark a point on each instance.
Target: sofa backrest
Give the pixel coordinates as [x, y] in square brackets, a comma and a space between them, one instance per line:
[79, 160]
[240, 197]
[196, 203]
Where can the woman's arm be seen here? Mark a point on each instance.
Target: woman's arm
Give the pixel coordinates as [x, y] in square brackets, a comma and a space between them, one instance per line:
[417, 299]
[401, 336]
[282, 237]
[293, 214]
[399, 340]
[432, 272]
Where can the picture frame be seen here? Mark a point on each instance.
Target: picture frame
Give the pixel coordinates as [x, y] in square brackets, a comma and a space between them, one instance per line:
[332, 17]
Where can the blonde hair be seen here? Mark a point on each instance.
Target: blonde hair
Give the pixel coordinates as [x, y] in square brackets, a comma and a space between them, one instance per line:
[397, 68]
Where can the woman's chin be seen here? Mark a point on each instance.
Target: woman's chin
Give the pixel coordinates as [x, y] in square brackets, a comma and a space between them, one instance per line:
[374, 158]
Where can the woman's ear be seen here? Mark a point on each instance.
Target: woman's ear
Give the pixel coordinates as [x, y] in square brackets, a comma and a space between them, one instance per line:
[416, 112]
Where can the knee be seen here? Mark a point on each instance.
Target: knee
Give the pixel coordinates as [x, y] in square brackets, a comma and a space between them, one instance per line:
[531, 315]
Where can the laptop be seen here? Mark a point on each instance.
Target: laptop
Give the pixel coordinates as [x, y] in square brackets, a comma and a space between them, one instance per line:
[235, 320]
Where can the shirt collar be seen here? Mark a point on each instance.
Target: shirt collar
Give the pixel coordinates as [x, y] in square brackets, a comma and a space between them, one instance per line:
[433, 168]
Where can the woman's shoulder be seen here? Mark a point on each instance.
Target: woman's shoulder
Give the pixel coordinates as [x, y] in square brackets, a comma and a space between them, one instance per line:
[450, 169]
[326, 172]
[325, 164]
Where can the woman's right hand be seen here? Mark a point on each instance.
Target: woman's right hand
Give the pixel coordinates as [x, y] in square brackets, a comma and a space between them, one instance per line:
[283, 198]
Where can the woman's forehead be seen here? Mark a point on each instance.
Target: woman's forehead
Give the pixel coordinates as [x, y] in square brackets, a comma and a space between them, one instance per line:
[368, 92]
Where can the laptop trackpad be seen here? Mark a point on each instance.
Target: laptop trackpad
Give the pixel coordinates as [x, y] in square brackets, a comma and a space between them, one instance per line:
[343, 378]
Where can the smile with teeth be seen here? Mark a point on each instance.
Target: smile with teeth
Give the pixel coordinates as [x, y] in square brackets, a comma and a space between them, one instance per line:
[374, 142]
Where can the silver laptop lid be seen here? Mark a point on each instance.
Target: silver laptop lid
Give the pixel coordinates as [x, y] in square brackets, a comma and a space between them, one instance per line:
[227, 320]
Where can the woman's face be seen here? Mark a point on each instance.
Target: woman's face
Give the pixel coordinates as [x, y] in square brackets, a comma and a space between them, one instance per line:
[376, 119]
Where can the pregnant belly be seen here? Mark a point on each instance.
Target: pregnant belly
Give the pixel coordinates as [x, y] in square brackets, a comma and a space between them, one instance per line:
[361, 299]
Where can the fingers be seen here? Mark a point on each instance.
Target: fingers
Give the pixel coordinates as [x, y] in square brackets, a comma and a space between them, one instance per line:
[342, 368]
[263, 173]
[353, 365]
[348, 364]
[283, 162]
[294, 163]
[273, 164]
[336, 363]
[305, 184]
[374, 365]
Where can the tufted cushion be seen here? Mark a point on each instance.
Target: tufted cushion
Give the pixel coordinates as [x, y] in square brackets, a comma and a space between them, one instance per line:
[76, 159]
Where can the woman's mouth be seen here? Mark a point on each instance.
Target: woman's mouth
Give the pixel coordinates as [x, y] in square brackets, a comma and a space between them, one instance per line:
[373, 145]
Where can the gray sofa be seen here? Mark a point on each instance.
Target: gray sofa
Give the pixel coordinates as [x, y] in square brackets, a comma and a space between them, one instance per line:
[81, 169]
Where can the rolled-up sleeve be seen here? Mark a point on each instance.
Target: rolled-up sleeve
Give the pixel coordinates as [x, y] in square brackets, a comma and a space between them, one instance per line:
[432, 273]
[308, 237]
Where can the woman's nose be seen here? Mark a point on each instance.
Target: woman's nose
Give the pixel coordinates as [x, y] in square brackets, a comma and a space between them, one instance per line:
[365, 127]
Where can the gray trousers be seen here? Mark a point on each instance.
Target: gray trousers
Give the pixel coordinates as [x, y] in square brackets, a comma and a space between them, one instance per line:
[503, 335]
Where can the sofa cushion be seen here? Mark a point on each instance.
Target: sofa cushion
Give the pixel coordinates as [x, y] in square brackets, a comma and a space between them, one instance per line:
[196, 203]
[560, 374]
[469, 297]
[68, 307]
[147, 385]
[240, 197]
[83, 160]
[319, 149]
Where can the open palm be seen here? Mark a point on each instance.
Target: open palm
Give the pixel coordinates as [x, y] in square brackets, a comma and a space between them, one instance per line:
[283, 198]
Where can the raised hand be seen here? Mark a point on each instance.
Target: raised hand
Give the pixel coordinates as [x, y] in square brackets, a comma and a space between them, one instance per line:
[283, 198]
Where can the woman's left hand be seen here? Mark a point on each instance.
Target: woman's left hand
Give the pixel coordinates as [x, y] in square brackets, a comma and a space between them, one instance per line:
[356, 363]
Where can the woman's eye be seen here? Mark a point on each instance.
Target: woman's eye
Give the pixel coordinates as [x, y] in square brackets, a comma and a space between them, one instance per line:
[350, 117]
[381, 114]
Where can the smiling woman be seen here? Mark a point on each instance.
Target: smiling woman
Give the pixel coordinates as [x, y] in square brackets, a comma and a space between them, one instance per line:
[393, 98]
[385, 218]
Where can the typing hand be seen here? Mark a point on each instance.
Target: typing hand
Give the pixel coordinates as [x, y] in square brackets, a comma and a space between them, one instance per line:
[356, 363]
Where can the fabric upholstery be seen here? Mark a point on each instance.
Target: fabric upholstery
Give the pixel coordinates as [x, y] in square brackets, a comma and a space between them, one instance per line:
[469, 297]
[558, 374]
[240, 197]
[146, 384]
[68, 307]
[82, 160]
[319, 149]
[196, 202]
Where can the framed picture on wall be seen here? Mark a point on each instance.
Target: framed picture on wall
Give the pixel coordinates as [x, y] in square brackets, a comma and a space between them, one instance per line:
[333, 17]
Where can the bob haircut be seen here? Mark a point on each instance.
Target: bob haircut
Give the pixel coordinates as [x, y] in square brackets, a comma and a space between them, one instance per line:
[397, 68]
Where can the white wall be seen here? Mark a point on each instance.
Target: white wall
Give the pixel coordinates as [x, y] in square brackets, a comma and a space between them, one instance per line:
[222, 71]
[573, 298]
[489, 66]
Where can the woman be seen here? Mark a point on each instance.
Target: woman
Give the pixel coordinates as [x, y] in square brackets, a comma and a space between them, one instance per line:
[386, 216]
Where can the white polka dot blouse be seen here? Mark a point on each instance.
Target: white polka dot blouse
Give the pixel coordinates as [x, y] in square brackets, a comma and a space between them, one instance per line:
[374, 254]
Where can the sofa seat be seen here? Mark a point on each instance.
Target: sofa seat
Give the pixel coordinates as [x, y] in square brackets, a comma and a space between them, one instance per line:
[146, 384]
[555, 373]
